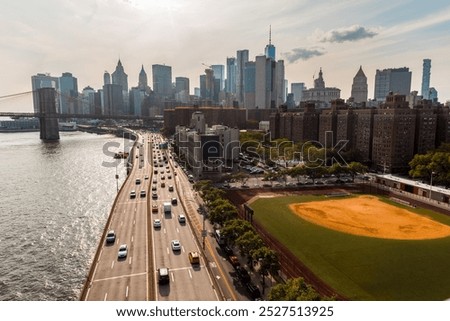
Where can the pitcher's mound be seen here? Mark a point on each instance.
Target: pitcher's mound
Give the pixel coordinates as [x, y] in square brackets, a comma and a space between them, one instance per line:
[368, 216]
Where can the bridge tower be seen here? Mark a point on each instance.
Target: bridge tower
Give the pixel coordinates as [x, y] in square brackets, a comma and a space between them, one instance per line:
[48, 120]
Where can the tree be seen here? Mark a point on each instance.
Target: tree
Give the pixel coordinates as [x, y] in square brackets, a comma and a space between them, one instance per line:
[436, 163]
[249, 242]
[233, 229]
[203, 185]
[294, 290]
[221, 211]
[212, 194]
[355, 168]
[297, 172]
[242, 178]
[268, 262]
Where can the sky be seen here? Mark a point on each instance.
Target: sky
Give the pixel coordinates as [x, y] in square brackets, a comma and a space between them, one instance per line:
[87, 37]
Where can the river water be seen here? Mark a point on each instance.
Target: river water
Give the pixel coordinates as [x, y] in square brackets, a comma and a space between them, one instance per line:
[55, 199]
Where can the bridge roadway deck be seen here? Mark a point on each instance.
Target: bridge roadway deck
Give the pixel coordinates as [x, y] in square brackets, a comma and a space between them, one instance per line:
[135, 278]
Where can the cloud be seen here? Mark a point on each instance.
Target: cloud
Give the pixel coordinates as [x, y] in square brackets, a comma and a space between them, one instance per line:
[303, 54]
[352, 33]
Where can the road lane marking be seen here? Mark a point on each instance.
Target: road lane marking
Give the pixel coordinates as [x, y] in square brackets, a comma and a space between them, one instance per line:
[173, 279]
[168, 250]
[132, 238]
[126, 292]
[190, 274]
[183, 249]
[106, 295]
[178, 231]
[112, 264]
[130, 260]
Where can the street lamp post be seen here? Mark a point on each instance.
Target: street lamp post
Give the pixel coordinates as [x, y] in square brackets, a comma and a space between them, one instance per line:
[431, 183]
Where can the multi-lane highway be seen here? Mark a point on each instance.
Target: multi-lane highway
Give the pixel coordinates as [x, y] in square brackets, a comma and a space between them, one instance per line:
[135, 277]
[187, 281]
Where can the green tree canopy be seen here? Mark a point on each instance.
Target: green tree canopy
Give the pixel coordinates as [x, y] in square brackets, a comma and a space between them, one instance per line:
[294, 290]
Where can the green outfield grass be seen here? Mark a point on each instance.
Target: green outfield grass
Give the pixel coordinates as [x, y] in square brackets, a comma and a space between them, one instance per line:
[358, 267]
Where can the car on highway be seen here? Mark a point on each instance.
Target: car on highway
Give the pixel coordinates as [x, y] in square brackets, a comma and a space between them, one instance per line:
[157, 223]
[138, 181]
[175, 244]
[154, 195]
[194, 257]
[169, 176]
[163, 177]
[170, 188]
[146, 177]
[155, 208]
[154, 187]
[133, 194]
[143, 193]
[174, 200]
[123, 251]
[181, 218]
[163, 276]
[163, 184]
[111, 237]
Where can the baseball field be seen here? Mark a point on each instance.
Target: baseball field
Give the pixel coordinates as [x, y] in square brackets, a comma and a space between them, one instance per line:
[365, 247]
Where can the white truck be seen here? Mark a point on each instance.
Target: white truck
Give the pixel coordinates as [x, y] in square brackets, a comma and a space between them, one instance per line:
[167, 206]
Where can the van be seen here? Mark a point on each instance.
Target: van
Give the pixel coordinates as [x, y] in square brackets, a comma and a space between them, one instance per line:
[194, 258]
[163, 275]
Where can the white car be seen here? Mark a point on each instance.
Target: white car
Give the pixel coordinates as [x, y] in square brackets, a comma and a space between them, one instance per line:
[181, 218]
[176, 246]
[123, 251]
[157, 223]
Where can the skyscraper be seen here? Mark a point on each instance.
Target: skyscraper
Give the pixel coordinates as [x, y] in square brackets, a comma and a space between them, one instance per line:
[119, 77]
[219, 73]
[182, 89]
[269, 51]
[426, 78]
[106, 78]
[269, 82]
[162, 81]
[396, 80]
[143, 81]
[297, 89]
[68, 86]
[359, 87]
[241, 59]
[230, 85]
[249, 84]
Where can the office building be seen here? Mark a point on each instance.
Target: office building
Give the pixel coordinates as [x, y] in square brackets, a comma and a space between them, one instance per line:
[113, 100]
[297, 90]
[269, 51]
[219, 73]
[230, 84]
[162, 81]
[241, 60]
[396, 80]
[88, 100]
[119, 77]
[359, 87]
[250, 85]
[106, 78]
[182, 89]
[68, 98]
[426, 72]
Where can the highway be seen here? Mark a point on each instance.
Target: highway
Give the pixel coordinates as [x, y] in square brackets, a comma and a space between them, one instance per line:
[135, 277]
[125, 279]
[187, 282]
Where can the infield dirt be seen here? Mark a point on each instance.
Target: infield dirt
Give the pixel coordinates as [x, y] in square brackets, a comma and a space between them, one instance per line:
[368, 216]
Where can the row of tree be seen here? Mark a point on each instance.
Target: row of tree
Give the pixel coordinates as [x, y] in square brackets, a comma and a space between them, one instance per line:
[241, 234]
[433, 166]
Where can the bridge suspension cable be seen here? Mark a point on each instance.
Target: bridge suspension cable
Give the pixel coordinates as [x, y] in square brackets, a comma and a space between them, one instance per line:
[15, 95]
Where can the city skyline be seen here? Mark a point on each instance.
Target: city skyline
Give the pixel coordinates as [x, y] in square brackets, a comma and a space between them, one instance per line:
[88, 37]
